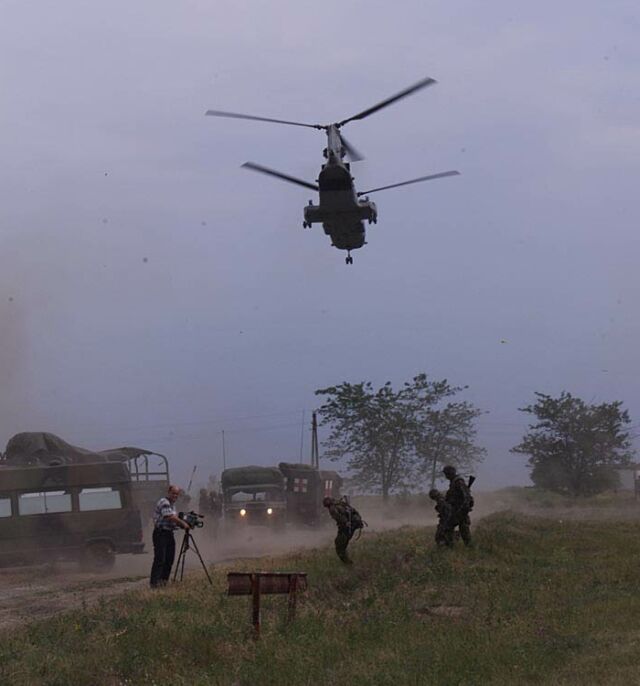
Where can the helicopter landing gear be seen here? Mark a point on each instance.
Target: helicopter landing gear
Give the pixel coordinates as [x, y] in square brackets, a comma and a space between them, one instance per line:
[348, 259]
[306, 225]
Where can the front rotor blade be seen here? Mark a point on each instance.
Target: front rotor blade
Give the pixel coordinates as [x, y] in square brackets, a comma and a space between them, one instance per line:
[354, 155]
[406, 183]
[403, 94]
[235, 115]
[280, 175]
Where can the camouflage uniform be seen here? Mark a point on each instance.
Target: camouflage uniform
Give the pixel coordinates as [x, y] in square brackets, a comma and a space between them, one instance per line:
[341, 514]
[444, 531]
[459, 497]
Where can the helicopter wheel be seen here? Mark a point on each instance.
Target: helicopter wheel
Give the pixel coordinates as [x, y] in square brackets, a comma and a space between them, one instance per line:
[348, 259]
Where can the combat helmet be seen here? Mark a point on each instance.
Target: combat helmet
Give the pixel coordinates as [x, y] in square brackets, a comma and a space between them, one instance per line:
[450, 472]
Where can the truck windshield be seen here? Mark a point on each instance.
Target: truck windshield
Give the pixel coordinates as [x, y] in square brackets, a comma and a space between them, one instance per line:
[258, 496]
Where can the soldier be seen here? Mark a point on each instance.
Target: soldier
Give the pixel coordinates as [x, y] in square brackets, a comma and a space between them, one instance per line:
[348, 520]
[461, 501]
[444, 531]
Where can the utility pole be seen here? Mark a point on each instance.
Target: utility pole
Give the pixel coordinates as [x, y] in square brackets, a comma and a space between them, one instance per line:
[302, 435]
[224, 453]
[315, 455]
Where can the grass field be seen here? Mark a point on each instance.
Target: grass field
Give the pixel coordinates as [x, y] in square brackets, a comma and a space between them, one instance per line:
[535, 601]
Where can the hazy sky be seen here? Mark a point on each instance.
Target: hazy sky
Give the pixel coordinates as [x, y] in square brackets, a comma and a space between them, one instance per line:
[153, 293]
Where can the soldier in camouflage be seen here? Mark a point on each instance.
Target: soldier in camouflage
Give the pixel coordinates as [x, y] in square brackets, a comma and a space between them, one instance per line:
[444, 531]
[461, 501]
[348, 521]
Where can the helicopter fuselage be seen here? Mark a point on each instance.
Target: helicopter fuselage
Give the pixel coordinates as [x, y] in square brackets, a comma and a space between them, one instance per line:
[340, 211]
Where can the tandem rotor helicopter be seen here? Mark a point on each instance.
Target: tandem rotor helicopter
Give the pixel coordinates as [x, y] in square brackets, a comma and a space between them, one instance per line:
[341, 211]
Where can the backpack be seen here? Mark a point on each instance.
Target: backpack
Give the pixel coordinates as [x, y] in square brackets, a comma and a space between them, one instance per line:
[465, 489]
[355, 520]
[469, 484]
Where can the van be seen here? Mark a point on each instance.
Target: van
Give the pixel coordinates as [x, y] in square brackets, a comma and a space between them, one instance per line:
[84, 512]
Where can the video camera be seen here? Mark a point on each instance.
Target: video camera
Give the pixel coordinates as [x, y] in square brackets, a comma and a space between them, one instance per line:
[193, 519]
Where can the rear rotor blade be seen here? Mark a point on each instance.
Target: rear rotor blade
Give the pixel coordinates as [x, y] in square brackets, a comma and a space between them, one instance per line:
[280, 175]
[235, 115]
[403, 94]
[406, 183]
[354, 155]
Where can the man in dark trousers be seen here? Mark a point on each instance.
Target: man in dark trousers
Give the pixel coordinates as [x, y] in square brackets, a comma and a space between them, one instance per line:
[165, 521]
[348, 520]
[461, 501]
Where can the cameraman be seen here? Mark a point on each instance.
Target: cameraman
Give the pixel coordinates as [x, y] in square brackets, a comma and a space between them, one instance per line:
[165, 521]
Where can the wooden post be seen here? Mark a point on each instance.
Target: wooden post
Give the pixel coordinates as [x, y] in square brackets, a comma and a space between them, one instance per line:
[255, 605]
[293, 588]
[256, 584]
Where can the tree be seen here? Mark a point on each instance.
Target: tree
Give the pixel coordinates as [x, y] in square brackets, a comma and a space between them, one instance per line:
[573, 447]
[371, 427]
[442, 435]
[390, 437]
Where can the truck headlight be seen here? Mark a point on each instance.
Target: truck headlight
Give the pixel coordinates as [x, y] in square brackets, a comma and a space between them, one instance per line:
[243, 512]
[269, 510]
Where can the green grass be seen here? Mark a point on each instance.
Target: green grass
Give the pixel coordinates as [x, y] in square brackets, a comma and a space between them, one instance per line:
[536, 601]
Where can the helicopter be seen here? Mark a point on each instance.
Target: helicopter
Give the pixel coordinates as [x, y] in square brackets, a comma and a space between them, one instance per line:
[341, 210]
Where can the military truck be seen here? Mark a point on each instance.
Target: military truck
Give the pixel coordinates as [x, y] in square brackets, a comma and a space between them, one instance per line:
[84, 512]
[254, 496]
[149, 471]
[292, 492]
[304, 490]
[306, 487]
[331, 483]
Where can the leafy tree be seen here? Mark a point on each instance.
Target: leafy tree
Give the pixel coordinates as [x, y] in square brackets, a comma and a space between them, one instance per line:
[573, 447]
[371, 427]
[390, 437]
[442, 435]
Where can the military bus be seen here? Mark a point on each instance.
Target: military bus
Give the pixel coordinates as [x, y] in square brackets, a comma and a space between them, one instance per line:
[84, 512]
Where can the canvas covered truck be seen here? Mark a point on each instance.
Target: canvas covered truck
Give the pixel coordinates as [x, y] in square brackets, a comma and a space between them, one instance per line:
[84, 512]
[254, 496]
[292, 493]
[92, 504]
[149, 471]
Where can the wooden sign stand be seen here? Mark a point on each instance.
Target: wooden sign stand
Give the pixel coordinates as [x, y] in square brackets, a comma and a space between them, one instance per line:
[257, 583]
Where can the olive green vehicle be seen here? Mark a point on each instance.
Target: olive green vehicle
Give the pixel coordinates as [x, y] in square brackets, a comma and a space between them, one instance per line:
[254, 496]
[306, 486]
[273, 496]
[84, 512]
[58, 501]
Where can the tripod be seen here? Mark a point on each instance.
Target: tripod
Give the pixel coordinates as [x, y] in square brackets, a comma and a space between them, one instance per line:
[188, 542]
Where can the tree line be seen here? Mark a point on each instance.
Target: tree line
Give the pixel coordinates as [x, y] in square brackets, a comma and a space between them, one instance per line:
[394, 439]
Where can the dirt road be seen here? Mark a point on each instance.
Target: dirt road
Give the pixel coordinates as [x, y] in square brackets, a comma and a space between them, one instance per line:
[31, 593]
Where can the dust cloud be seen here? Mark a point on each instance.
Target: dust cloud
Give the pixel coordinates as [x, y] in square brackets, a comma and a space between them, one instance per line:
[45, 590]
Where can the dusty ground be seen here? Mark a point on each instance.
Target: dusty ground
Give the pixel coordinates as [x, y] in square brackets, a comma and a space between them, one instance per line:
[30, 593]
